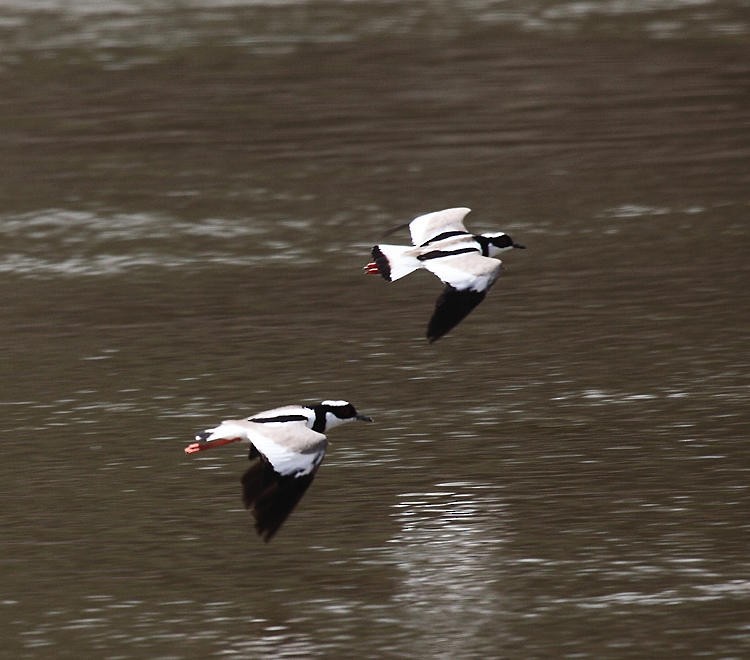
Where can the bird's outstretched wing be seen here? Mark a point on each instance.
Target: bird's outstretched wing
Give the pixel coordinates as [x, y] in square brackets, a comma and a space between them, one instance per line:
[467, 270]
[431, 225]
[452, 307]
[467, 279]
[284, 459]
[270, 496]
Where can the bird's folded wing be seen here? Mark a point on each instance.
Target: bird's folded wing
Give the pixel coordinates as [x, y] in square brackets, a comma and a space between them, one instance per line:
[468, 271]
[427, 226]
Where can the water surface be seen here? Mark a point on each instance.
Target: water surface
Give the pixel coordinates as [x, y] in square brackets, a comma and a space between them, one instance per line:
[188, 196]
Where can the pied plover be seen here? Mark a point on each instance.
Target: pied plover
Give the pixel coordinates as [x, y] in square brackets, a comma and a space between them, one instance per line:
[462, 260]
[287, 445]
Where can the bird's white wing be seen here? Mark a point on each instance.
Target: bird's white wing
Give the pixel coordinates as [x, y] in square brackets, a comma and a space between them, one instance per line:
[283, 413]
[467, 278]
[284, 458]
[465, 271]
[291, 448]
[430, 225]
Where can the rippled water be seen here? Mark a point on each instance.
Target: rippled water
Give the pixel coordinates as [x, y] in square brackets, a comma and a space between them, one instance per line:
[188, 195]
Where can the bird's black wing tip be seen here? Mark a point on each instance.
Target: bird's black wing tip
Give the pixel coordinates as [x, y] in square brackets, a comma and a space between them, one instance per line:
[393, 230]
[452, 307]
[271, 497]
[265, 533]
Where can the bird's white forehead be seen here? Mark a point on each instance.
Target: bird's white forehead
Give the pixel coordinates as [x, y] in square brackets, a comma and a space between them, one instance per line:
[335, 403]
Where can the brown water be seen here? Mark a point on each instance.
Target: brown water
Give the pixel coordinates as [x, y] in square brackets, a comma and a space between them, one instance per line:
[187, 197]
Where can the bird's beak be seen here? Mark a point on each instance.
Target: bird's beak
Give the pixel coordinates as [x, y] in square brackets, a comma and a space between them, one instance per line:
[202, 446]
[363, 418]
[519, 246]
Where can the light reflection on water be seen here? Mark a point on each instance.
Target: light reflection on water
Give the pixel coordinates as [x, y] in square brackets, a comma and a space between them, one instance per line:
[279, 27]
[444, 554]
[447, 550]
[694, 594]
[59, 242]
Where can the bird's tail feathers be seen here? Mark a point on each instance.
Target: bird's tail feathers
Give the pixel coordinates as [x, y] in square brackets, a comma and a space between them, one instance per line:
[227, 429]
[393, 261]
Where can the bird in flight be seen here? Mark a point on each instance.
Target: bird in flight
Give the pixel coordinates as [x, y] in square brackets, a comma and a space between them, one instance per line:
[462, 260]
[287, 446]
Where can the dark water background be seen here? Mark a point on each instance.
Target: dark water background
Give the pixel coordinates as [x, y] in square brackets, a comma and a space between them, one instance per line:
[188, 193]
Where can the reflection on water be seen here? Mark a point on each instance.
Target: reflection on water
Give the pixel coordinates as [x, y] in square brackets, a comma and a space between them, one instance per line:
[56, 242]
[448, 550]
[189, 194]
[104, 621]
[279, 27]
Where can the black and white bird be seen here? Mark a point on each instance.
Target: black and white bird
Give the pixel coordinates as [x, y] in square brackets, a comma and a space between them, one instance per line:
[462, 260]
[287, 445]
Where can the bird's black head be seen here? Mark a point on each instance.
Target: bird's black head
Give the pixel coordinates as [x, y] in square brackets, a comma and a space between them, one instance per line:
[503, 241]
[332, 413]
[496, 242]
